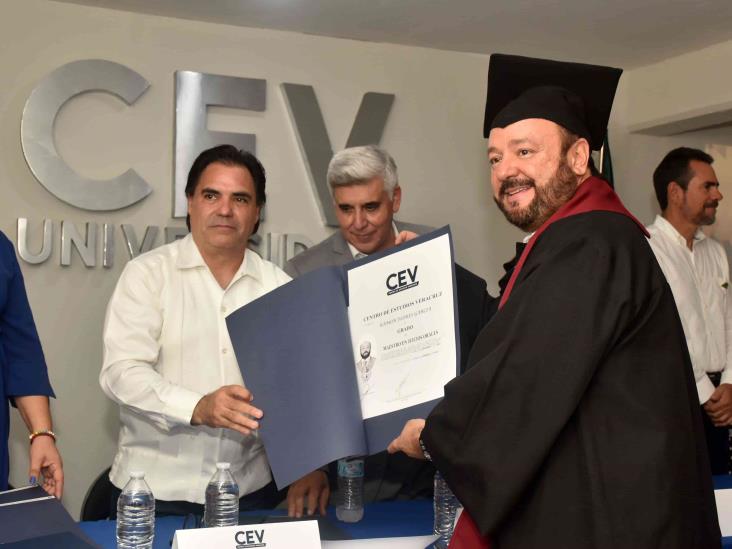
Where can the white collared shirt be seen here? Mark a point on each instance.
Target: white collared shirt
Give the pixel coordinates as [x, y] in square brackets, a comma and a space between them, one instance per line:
[699, 280]
[166, 346]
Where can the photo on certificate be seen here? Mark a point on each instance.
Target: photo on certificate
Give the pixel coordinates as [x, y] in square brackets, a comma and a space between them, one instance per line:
[365, 361]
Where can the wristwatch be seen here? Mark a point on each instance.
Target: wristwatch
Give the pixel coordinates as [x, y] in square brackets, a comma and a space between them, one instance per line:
[427, 455]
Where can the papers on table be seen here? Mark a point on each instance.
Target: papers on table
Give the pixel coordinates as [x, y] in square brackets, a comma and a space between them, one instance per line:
[414, 542]
[29, 517]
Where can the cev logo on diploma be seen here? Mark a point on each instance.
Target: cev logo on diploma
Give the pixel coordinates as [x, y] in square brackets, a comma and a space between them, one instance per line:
[282, 535]
[402, 280]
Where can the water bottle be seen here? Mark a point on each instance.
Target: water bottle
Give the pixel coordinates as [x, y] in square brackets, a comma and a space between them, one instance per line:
[446, 505]
[350, 488]
[135, 514]
[222, 499]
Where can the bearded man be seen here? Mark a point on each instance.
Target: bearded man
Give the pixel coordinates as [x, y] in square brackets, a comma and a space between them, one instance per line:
[697, 270]
[576, 424]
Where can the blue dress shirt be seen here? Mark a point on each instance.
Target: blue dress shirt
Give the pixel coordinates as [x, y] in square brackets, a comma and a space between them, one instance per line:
[22, 365]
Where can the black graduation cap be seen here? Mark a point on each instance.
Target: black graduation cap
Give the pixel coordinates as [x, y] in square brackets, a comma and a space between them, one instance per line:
[576, 96]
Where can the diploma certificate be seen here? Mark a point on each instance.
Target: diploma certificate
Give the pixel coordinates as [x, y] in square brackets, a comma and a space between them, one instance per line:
[401, 314]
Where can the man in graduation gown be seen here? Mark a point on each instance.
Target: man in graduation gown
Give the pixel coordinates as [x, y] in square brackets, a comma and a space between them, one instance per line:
[577, 424]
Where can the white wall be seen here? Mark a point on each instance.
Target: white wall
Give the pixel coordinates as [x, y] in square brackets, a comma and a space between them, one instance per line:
[434, 132]
[687, 86]
[691, 90]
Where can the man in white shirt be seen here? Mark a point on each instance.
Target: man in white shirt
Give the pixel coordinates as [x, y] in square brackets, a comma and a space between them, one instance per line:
[697, 270]
[168, 359]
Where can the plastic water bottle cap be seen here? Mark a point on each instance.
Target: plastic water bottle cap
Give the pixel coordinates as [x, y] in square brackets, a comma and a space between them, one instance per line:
[223, 465]
[137, 474]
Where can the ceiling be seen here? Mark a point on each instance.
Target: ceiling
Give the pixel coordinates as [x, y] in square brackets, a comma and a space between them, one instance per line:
[624, 33]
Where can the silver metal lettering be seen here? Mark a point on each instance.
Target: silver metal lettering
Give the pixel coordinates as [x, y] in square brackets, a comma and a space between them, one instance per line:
[262, 245]
[315, 145]
[194, 92]
[277, 249]
[86, 246]
[174, 233]
[294, 244]
[23, 248]
[131, 243]
[36, 134]
[107, 246]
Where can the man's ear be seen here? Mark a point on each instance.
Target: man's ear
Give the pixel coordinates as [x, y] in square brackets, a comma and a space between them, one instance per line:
[675, 193]
[396, 199]
[578, 156]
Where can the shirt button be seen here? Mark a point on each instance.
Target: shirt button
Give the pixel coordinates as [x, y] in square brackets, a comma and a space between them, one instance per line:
[224, 351]
[223, 308]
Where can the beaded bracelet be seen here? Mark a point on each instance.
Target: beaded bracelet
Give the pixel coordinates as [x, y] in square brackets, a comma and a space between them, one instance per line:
[42, 433]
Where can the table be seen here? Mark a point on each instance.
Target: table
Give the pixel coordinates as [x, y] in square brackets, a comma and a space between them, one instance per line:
[381, 520]
[722, 482]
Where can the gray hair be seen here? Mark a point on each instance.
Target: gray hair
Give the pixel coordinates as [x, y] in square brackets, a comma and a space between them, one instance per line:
[358, 165]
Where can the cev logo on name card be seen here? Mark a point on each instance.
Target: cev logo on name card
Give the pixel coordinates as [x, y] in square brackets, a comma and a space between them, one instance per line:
[282, 535]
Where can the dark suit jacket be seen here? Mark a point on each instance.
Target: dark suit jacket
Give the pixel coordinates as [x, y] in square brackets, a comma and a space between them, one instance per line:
[398, 476]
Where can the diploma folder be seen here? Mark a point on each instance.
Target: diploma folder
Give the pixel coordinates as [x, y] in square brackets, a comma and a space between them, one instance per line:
[30, 518]
[295, 349]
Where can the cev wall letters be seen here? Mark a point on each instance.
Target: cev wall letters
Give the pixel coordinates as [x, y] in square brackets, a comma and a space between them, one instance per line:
[194, 92]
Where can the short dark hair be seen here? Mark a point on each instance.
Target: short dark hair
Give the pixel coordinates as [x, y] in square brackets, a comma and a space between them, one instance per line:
[229, 156]
[675, 166]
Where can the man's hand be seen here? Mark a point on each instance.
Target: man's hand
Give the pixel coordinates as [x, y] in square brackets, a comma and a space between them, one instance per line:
[45, 460]
[403, 237]
[408, 440]
[228, 407]
[313, 486]
[719, 405]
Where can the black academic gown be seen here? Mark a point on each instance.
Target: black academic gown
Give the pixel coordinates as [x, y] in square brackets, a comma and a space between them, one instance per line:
[577, 424]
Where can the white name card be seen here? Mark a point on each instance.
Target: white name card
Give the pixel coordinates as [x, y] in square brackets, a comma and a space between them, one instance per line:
[724, 510]
[280, 535]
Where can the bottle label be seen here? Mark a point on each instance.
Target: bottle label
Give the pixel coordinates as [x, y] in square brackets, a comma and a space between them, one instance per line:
[350, 468]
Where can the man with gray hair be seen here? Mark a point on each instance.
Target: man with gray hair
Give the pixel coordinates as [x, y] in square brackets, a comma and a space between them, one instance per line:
[366, 195]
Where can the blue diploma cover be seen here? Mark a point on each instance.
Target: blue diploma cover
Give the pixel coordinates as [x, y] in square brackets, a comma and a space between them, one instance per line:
[341, 357]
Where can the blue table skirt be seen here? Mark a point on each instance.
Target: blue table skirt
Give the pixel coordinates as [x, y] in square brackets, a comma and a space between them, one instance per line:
[722, 482]
[380, 520]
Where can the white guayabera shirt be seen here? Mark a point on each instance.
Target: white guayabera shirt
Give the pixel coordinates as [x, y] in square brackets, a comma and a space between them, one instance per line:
[699, 280]
[166, 346]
